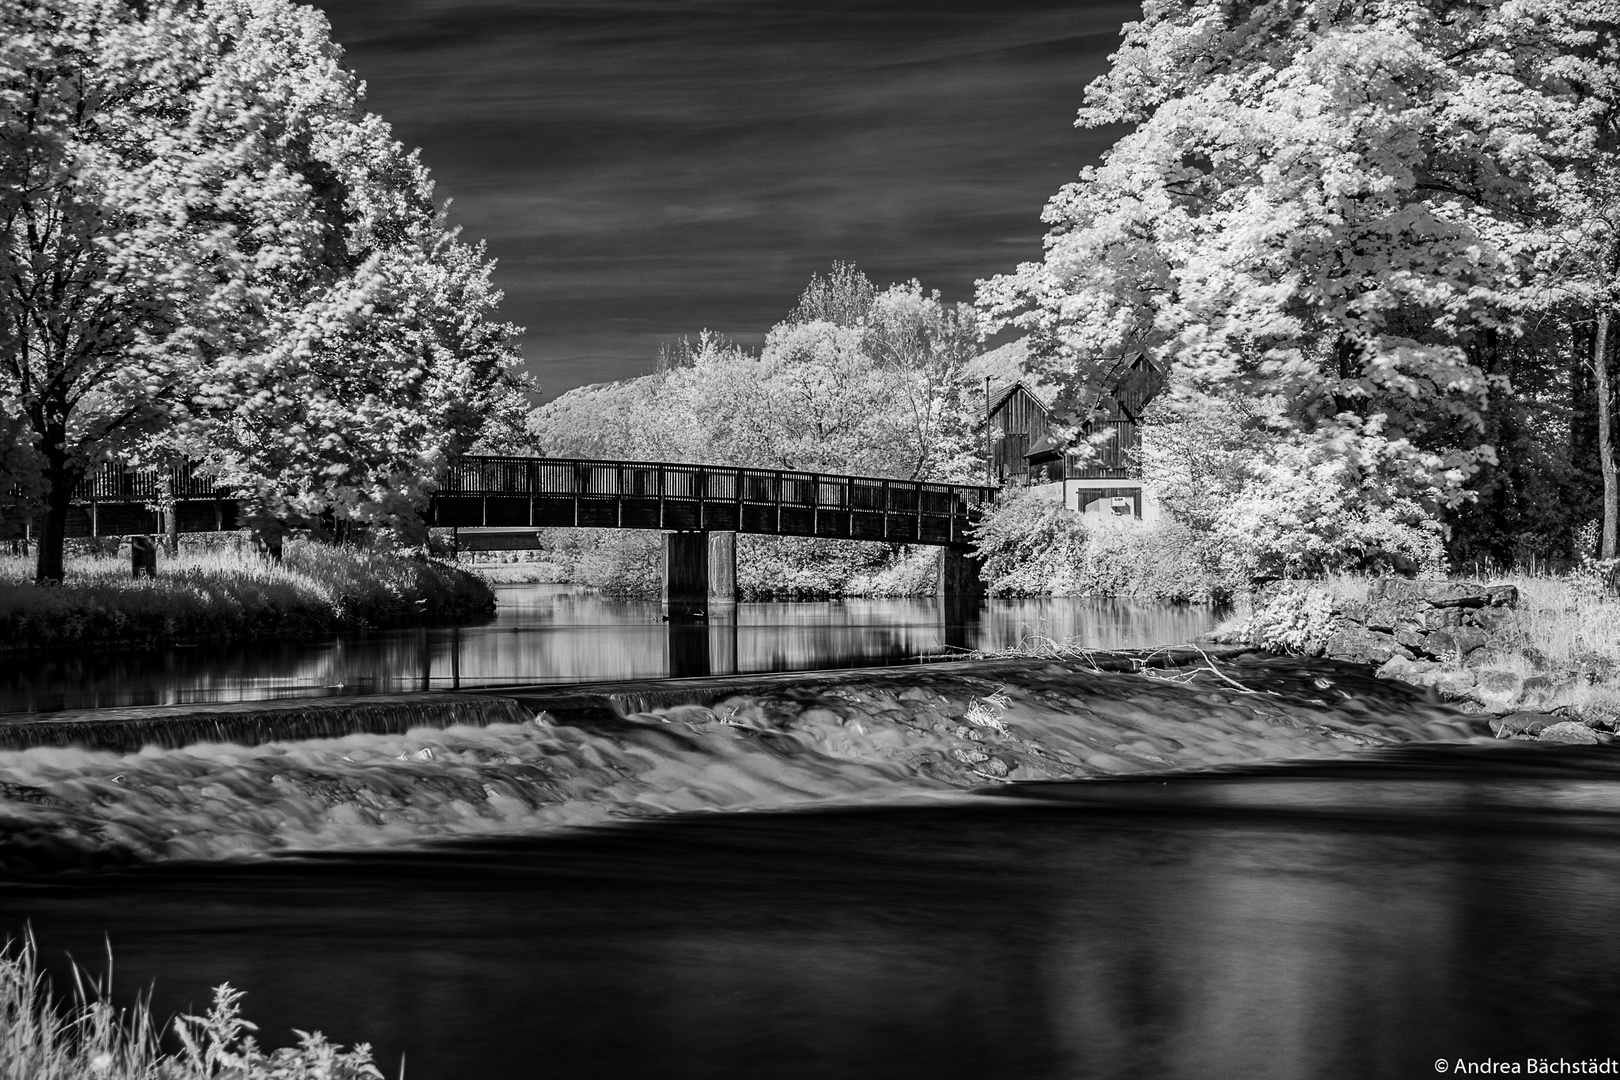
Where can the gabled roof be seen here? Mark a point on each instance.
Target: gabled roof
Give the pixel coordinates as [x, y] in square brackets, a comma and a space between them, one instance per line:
[998, 398]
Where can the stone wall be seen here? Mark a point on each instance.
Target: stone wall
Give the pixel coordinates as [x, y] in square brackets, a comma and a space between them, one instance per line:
[1451, 636]
[1419, 620]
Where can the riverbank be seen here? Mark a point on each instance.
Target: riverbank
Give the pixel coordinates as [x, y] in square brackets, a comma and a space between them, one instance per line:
[222, 593]
[1540, 654]
[613, 752]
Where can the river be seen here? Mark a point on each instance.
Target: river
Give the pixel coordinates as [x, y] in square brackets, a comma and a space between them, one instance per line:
[1023, 870]
[1357, 920]
[560, 633]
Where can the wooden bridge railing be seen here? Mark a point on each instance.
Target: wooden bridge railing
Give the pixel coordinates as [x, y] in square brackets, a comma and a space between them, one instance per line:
[540, 492]
[506, 492]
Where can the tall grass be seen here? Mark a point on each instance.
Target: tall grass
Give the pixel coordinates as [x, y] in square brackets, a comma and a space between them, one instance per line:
[221, 593]
[89, 1039]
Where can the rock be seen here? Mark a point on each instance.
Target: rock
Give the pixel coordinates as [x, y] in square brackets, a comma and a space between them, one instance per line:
[1361, 646]
[1440, 594]
[1521, 723]
[1459, 641]
[1503, 595]
[1454, 684]
[1489, 657]
[1382, 615]
[1443, 618]
[1569, 732]
[1412, 639]
[1399, 667]
[1498, 691]
[1487, 619]
[1546, 694]
[1352, 611]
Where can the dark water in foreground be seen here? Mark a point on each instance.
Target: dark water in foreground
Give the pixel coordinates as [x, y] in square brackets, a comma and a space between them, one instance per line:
[552, 633]
[1359, 918]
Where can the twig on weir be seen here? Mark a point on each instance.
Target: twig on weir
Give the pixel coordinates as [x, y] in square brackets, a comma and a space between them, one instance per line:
[1208, 664]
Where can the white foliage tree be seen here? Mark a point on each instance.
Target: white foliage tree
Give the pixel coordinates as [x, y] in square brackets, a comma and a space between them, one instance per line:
[195, 214]
[1332, 206]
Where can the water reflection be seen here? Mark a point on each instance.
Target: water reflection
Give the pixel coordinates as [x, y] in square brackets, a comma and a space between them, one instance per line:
[551, 633]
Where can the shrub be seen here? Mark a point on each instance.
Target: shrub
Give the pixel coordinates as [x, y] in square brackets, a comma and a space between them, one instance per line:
[1030, 545]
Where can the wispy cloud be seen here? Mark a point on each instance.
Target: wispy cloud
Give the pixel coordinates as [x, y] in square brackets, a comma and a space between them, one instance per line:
[643, 170]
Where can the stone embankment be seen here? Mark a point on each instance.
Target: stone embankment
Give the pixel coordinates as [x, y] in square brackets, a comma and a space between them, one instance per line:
[1455, 638]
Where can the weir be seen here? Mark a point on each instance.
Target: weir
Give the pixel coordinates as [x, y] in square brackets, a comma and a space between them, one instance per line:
[253, 723]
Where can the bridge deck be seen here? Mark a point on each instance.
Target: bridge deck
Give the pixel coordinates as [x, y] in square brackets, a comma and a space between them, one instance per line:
[518, 492]
[490, 492]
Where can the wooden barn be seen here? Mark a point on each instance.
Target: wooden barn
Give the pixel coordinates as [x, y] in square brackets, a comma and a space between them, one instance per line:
[1023, 449]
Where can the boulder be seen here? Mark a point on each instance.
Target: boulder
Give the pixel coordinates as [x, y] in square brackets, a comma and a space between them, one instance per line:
[1569, 732]
[1454, 684]
[1399, 667]
[1498, 691]
[1382, 615]
[1521, 723]
[1503, 595]
[1359, 645]
[1440, 594]
[1442, 618]
[1546, 694]
[1413, 639]
[1459, 640]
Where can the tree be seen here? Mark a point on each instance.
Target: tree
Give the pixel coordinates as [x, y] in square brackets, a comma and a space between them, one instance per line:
[1333, 211]
[854, 380]
[209, 248]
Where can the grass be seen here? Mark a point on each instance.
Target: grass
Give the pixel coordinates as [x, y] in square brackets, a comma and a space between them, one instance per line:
[89, 1039]
[224, 593]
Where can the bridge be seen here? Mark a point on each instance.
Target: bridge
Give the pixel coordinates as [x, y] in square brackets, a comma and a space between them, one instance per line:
[499, 503]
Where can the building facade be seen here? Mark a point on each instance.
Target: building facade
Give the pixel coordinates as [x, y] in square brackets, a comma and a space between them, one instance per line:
[1023, 449]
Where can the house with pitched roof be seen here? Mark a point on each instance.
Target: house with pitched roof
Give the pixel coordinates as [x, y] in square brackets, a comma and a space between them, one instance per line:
[1022, 448]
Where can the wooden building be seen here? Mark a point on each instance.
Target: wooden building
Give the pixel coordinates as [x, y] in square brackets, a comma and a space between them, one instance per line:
[1024, 450]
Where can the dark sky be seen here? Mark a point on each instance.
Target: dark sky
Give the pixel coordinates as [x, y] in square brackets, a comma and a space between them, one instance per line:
[647, 170]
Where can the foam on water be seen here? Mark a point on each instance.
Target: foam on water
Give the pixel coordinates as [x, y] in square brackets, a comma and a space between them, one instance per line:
[883, 735]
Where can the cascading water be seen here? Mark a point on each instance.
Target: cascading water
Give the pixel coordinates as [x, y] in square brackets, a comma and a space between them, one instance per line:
[403, 772]
[129, 730]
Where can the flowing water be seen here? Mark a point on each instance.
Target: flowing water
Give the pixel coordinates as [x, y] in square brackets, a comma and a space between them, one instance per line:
[1357, 919]
[553, 633]
[1014, 869]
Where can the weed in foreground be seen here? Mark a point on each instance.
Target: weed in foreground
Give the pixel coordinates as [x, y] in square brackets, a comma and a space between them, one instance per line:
[90, 1039]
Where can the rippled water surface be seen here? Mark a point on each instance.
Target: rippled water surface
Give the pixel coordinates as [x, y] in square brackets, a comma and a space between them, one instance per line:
[551, 633]
[1357, 918]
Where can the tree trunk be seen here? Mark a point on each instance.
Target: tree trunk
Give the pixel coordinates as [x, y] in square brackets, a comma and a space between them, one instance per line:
[49, 567]
[1605, 434]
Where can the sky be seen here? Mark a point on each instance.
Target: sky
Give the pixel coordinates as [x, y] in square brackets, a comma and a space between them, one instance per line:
[647, 170]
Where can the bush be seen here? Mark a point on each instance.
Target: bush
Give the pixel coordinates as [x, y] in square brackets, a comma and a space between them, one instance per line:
[1031, 545]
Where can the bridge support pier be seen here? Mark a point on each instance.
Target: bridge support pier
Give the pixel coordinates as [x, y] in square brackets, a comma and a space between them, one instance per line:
[700, 572]
[959, 576]
[686, 574]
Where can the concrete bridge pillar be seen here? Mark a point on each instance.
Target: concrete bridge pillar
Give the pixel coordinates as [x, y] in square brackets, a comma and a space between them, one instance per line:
[959, 575]
[686, 573]
[700, 571]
